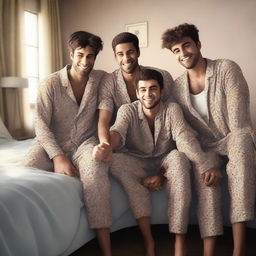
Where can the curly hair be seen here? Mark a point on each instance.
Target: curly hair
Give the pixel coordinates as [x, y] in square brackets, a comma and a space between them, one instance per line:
[174, 35]
[83, 39]
[150, 74]
[126, 37]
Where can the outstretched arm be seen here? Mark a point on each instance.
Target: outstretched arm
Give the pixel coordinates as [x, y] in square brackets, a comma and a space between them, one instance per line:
[103, 151]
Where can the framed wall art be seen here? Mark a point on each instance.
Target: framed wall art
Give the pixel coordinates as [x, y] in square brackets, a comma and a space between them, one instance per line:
[140, 29]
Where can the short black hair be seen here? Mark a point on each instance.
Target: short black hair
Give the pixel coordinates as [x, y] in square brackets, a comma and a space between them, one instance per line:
[83, 39]
[148, 74]
[125, 37]
[174, 35]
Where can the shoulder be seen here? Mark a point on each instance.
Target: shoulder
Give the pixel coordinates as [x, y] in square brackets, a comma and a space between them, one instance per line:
[173, 107]
[129, 107]
[180, 79]
[225, 65]
[110, 78]
[51, 81]
[98, 75]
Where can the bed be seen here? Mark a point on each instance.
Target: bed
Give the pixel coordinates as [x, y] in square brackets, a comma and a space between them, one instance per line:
[42, 213]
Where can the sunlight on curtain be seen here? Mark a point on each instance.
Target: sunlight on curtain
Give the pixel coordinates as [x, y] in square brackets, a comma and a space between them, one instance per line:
[11, 63]
[50, 52]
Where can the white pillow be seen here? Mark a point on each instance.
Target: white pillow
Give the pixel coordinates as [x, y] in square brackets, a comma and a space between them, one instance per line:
[3, 131]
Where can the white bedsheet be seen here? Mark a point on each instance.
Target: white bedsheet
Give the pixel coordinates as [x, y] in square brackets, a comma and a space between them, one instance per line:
[42, 213]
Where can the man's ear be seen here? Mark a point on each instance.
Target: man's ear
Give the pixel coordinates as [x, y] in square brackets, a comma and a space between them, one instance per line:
[137, 93]
[71, 55]
[139, 53]
[199, 45]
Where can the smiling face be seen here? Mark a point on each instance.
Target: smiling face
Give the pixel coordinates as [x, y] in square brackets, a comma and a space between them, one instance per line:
[83, 60]
[127, 57]
[187, 52]
[149, 93]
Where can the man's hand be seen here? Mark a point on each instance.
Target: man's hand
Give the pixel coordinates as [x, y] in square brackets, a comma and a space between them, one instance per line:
[154, 182]
[102, 152]
[63, 165]
[211, 177]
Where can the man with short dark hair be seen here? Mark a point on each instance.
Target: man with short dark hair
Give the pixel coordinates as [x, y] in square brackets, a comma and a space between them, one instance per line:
[145, 136]
[119, 87]
[66, 126]
[215, 99]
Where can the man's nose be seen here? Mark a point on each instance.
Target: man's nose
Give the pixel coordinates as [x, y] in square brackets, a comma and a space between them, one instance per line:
[148, 93]
[183, 52]
[126, 57]
[84, 60]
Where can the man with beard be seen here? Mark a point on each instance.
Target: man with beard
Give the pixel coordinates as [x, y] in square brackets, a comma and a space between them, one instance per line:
[66, 125]
[215, 99]
[145, 136]
[119, 87]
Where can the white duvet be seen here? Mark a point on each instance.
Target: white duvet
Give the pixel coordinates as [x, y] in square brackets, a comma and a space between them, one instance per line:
[41, 213]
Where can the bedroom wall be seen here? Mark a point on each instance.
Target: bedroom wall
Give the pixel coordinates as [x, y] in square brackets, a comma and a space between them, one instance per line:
[227, 30]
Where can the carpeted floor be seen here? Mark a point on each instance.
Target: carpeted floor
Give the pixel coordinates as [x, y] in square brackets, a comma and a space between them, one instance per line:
[128, 242]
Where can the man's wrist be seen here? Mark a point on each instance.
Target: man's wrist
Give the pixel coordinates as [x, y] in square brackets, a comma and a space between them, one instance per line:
[58, 158]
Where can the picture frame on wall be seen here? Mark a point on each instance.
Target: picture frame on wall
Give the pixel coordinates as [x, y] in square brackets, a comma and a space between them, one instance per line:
[140, 29]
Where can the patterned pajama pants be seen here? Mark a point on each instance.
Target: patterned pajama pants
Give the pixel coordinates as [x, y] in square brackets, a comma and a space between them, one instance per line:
[129, 170]
[94, 177]
[241, 172]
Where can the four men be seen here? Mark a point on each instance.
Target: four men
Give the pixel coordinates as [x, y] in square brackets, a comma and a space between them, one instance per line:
[215, 100]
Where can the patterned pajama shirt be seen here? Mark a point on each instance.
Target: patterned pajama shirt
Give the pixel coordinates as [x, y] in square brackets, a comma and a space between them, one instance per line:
[113, 92]
[227, 132]
[64, 127]
[141, 154]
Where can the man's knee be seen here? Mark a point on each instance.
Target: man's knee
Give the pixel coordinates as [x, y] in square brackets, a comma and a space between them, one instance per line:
[38, 158]
[177, 161]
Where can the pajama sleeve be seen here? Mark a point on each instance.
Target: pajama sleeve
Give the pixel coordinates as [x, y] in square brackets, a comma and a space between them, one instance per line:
[43, 114]
[106, 93]
[187, 142]
[121, 124]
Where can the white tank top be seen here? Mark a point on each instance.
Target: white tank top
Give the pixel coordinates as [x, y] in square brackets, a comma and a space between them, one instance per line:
[199, 102]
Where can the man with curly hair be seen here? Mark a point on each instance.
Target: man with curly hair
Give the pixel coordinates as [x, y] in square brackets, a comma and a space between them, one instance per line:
[215, 99]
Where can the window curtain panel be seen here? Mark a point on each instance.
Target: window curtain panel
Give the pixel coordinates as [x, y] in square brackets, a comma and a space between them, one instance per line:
[50, 48]
[12, 64]
[50, 51]
[15, 109]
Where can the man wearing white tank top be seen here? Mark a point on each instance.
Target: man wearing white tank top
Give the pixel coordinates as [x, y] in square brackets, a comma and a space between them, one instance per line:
[215, 99]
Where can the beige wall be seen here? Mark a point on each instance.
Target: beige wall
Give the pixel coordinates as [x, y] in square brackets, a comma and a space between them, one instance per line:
[227, 30]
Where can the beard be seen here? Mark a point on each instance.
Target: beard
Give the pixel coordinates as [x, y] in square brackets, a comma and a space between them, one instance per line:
[192, 63]
[156, 103]
[130, 70]
[83, 72]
